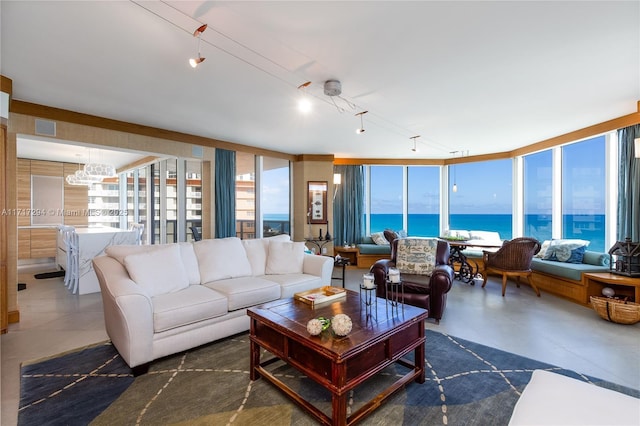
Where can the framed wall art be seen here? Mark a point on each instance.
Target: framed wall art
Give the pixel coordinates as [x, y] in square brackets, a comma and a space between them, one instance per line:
[317, 205]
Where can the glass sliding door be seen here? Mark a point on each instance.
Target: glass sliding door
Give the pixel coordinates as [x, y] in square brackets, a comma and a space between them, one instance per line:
[245, 195]
[193, 177]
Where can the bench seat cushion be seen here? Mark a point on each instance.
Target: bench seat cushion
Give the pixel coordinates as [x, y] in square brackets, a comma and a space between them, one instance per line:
[374, 249]
[572, 271]
[190, 305]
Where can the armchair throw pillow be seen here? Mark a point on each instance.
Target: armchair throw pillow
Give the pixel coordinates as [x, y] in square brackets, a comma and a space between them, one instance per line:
[416, 255]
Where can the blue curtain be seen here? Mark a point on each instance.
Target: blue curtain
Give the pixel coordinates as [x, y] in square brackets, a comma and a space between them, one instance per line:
[348, 206]
[628, 185]
[225, 186]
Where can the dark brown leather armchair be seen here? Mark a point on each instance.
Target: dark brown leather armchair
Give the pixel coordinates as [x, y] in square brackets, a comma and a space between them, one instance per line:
[425, 291]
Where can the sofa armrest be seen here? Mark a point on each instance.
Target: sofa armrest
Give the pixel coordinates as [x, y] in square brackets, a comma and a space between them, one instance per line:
[320, 266]
[128, 311]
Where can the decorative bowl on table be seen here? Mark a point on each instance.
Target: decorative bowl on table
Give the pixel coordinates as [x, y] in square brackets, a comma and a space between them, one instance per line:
[454, 238]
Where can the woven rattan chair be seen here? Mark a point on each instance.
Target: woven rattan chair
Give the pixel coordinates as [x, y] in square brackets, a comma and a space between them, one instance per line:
[513, 259]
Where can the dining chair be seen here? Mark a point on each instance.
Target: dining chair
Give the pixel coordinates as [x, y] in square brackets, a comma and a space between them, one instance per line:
[139, 228]
[72, 271]
[513, 259]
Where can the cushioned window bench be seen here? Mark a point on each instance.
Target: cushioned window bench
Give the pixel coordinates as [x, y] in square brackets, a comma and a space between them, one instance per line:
[559, 278]
[369, 252]
[567, 279]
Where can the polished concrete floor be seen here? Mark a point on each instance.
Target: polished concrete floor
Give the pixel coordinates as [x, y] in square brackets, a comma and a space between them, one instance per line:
[548, 329]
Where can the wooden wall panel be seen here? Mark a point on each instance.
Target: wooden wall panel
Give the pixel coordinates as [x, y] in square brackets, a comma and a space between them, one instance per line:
[24, 192]
[43, 242]
[46, 168]
[24, 244]
[76, 199]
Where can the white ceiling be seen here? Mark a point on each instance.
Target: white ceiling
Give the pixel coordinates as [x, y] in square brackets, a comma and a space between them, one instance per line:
[477, 77]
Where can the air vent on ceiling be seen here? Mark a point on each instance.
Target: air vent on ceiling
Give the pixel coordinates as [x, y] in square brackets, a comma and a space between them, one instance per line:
[45, 127]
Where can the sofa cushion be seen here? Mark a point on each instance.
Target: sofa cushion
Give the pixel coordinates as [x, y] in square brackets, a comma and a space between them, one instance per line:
[189, 260]
[416, 255]
[221, 258]
[285, 257]
[293, 283]
[257, 254]
[158, 271]
[192, 304]
[246, 291]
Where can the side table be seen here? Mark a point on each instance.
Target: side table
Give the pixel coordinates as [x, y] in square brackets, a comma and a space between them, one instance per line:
[340, 262]
[622, 285]
[350, 253]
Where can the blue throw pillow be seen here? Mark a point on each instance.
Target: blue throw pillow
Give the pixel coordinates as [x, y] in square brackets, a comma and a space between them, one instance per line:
[567, 253]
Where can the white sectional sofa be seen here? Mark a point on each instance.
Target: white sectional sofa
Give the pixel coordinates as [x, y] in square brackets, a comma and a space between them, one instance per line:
[162, 299]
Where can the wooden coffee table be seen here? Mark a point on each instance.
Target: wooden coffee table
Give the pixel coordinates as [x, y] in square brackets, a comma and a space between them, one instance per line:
[339, 364]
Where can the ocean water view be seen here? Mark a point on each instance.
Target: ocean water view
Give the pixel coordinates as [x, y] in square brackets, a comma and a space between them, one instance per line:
[585, 227]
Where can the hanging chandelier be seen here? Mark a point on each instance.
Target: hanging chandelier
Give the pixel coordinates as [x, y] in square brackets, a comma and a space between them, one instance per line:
[99, 170]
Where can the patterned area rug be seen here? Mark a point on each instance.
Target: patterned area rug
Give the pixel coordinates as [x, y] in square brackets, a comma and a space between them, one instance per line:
[467, 384]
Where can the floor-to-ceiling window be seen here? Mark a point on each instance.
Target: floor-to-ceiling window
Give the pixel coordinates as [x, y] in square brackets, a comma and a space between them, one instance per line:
[104, 203]
[482, 199]
[193, 202]
[275, 197]
[538, 195]
[245, 195]
[385, 198]
[583, 192]
[423, 201]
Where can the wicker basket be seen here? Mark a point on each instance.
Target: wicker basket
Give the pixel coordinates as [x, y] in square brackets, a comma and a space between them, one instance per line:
[615, 310]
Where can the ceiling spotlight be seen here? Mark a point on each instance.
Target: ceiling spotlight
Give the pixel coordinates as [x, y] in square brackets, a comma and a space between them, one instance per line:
[415, 148]
[304, 104]
[194, 62]
[361, 129]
